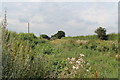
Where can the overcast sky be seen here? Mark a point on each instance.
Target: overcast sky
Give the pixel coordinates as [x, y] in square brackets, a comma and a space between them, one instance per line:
[75, 18]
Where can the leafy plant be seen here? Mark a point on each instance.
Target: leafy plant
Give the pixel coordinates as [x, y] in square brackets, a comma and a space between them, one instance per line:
[47, 49]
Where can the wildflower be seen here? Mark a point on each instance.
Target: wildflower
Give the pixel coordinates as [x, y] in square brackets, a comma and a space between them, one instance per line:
[117, 56]
[88, 64]
[29, 65]
[68, 58]
[81, 66]
[73, 59]
[70, 62]
[82, 55]
[87, 70]
[78, 62]
[73, 67]
[81, 60]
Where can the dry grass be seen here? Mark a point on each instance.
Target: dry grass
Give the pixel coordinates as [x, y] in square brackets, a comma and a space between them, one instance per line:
[81, 42]
[58, 41]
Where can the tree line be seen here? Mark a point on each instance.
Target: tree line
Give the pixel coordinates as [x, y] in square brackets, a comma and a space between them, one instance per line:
[101, 34]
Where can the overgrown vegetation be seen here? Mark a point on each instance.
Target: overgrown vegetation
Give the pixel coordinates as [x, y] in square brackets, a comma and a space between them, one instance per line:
[26, 56]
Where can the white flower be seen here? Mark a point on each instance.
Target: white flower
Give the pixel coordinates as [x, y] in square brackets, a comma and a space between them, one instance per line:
[87, 70]
[81, 66]
[72, 59]
[79, 62]
[68, 58]
[70, 62]
[117, 56]
[88, 64]
[73, 67]
[82, 55]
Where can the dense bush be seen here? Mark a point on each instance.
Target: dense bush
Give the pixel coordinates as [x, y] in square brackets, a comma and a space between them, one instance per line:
[58, 35]
[101, 32]
[44, 36]
[18, 56]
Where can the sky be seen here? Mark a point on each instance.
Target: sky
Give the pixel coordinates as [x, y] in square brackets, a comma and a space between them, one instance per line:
[59, 0]
[75, 18]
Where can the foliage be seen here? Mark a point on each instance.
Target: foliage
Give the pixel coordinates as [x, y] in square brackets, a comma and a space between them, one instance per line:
[44, 36]
[27, 36]
[19, 60]
[58, 35]
[101, 32]
[27, 56]
[47, 49]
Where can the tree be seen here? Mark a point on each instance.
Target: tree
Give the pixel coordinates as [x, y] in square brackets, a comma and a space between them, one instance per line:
[101, 32]
[44, 36]
[58, 35]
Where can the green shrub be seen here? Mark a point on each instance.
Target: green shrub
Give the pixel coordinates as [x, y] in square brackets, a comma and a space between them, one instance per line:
[101, 32]
[47, 49]
[27, 36]
[44, 36]
[114, 48]
[58, 35]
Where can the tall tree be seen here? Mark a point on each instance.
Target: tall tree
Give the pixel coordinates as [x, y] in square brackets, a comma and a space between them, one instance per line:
[101, 32]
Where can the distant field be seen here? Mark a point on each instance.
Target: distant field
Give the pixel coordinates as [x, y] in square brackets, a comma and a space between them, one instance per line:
[111, 36]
